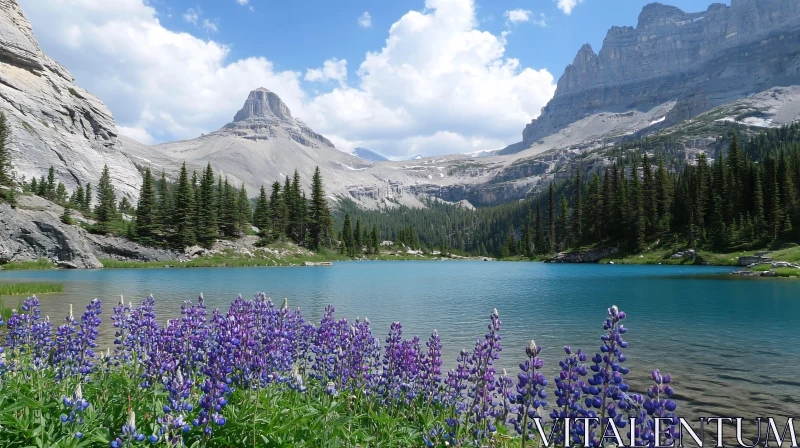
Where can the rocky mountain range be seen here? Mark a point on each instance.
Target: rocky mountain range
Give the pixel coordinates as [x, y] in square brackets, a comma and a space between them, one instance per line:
[53, 121]
[672, 67]
[675, 73]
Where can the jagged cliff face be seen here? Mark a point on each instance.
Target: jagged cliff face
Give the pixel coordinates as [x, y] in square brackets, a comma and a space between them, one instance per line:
[53, 121]
[700, 59]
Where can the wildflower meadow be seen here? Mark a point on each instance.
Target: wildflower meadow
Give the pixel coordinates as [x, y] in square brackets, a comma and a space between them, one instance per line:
[259, 375]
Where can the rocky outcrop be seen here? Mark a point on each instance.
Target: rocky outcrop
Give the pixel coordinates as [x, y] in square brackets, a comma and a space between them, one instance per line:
[54, 122]
[751, 260]
[29, 235]
[701, 59]
[588, 256]
[34, 230]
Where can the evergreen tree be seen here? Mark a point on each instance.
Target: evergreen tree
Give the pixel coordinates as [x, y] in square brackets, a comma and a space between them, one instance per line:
[261, 218]
[11, 197]
[146, 209]
[164, 206]
[357, 236]
[42, 187]
[86, 207]
[207, 227]
[277, 210]
[649, 194]
[66, 215]
[228, 213]
[289, 208]
[759, 223]
[244, 212]
[34, 185]
[125, 206]
[563, 225]
[577, 222]
[638, 219]
[663, 197]
[319, 213]
[527, 236]
[106, 197]
[5, 153]
[347, 236]
[185, 213]
[61, 194]
[540, 246]
[376, 243]
[50, 189]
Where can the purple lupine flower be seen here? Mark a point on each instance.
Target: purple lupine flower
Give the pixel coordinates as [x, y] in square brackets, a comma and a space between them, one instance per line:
[64, 351]
[482, 374]
[86, 337]
[431, 372]
[75, 406]
[129, 433]
[606, 386]
[530, 396]
[568, 390]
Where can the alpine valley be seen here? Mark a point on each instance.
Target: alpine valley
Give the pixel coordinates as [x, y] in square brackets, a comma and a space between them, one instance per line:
[678, 81]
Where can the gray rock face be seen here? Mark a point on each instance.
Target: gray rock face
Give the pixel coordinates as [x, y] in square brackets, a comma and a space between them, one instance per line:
[702, 59]
[590, 256]
[753, 260]
[29, 235]
[34, 230]
[263, 103]
[54, 122]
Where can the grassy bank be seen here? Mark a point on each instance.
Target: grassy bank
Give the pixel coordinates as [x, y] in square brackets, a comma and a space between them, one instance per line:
[664, 257]
[13, 289]
[42, 263]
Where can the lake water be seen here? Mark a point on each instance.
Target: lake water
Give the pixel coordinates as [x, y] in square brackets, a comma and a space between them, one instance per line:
[732, 344]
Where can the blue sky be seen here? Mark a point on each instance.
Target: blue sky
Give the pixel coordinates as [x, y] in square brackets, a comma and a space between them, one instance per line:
[298, 34]
[419, 76]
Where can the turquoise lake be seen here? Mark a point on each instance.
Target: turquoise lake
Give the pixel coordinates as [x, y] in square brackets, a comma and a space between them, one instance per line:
[732, 344]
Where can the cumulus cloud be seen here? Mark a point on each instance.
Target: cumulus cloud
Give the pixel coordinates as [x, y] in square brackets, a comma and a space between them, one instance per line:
[365, 20]
[568, 5]
[332, 70]
[159, 84]
[437, 77]
[439, 85]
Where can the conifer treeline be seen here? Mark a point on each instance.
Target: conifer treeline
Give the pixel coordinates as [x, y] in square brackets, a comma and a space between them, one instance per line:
[748, 196]
[200, 208]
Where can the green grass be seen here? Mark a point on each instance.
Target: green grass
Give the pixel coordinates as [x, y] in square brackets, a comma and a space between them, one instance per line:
[791, 255]
[5, 311]
[13, 289]
[40, 264]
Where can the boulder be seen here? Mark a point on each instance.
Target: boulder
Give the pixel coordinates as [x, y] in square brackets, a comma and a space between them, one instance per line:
[750, 260]
[27, 235]
[589, 256]
[769, 274]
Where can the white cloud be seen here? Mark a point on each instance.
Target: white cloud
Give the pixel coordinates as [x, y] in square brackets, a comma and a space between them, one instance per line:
[568, 5]
[439, 85]
[191, 16]
[365, 20]
[242, 2]
[159, 84]
[516, 16]
[332, 70]
[210, 26]
[438, 76]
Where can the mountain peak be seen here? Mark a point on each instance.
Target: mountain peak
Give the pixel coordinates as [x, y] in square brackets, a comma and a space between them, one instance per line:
[263, 103]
